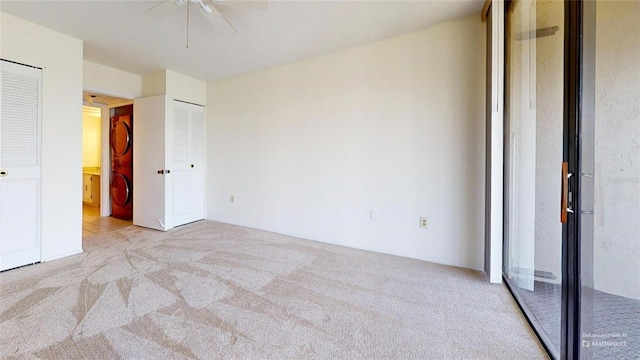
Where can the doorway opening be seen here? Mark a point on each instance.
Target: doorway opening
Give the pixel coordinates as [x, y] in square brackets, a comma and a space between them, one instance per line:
[99, 140]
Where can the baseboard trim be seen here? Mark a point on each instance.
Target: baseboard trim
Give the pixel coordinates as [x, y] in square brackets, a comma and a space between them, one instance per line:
[313, 238]
[63, 255]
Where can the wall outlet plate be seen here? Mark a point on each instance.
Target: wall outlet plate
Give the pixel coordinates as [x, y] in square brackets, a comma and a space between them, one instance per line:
[423, 222]
[231, 199]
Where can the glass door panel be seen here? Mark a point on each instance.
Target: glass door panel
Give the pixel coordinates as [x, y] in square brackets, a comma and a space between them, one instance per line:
[610, 181]
[533, 161]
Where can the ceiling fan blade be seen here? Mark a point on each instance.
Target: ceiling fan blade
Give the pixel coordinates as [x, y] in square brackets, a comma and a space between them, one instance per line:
[165, 8]
[221, 24]
[258, 5]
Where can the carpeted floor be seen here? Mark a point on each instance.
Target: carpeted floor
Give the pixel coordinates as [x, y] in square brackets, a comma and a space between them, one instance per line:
[212, 290]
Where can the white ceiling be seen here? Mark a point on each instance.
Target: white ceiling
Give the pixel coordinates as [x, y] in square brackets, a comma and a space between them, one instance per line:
[120, 35]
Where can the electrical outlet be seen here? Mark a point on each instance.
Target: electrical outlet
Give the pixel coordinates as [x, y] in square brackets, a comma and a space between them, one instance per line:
[373, 215]
[423, 222]
[231, 199]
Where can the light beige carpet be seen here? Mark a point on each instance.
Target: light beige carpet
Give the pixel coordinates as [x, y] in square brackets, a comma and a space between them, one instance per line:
[210, 290]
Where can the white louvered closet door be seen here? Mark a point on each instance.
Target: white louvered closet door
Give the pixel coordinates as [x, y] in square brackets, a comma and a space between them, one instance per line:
[20, 164]
[187, 166]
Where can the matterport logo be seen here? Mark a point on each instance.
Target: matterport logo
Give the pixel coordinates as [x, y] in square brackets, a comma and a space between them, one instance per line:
[604, 340]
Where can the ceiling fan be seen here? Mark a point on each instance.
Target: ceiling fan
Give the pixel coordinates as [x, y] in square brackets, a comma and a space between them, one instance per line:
[209, 10]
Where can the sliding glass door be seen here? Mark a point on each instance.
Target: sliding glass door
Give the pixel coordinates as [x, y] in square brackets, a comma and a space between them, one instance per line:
[572, 173]
[533, 161]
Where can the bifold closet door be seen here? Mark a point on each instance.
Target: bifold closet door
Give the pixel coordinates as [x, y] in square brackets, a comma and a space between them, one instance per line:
[187, 151]
[20, 166]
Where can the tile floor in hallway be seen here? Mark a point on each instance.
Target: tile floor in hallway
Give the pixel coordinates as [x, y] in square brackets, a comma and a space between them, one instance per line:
[93, 223]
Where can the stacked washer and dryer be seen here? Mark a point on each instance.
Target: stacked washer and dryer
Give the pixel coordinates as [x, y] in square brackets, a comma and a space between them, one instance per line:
[122, 162]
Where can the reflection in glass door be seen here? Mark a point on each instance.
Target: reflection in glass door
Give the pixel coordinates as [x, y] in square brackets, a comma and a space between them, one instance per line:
[533, 158]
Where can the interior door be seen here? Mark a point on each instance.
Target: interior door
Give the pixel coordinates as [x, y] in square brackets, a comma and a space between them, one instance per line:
[20, 144]
[150, 159]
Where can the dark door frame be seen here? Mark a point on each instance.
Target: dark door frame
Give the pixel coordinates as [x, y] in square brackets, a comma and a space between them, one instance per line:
[570, 308]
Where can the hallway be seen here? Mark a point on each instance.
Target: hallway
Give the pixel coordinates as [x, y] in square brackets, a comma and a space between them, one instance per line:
[94, 224]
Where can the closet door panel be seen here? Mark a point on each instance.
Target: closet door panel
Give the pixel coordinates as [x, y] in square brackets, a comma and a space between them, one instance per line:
[181, 206]
[196, 158]
[20, 167]
[196, 136]
[188, 163]
[180, 141]
[196, 196]
[180, 164]
[19, 209]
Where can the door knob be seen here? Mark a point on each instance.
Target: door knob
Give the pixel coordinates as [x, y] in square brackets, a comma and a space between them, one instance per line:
[3, 173]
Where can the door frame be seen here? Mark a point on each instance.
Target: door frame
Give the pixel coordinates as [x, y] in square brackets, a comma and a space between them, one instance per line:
[573, 84]
[105, 153]
[105, 162]
[579, 120]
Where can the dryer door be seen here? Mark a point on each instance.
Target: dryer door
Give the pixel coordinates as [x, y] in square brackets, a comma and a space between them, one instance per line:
[121, 138]
[120, 190]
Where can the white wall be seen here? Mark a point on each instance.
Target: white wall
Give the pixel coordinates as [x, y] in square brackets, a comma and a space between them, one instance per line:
[617, 156]
[177, 86]
[109, 81]
[154, 83]
[91, 123]
[185, 88]
[60, 56]
[397, 126]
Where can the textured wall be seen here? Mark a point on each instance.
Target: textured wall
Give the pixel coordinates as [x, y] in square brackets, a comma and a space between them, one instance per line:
[617, 156]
